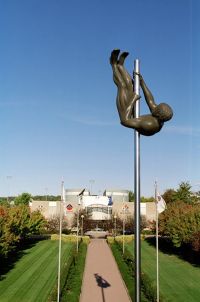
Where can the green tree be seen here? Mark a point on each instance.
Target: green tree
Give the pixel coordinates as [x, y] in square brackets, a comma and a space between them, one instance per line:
[169, 195]
[180, 221]
[37, 222]
[16, 224]
[131, 196]
[47, 197]
[184, 193]
[53, 224]
[24, 198]
[147, 199]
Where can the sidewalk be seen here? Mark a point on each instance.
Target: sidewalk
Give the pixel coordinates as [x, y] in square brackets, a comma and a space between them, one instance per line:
[102, 281]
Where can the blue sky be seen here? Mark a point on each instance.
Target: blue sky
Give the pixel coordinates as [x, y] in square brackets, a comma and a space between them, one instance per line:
[57, 98]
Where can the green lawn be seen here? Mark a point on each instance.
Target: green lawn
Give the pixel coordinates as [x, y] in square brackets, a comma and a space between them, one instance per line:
[34, 275]
[179, 280]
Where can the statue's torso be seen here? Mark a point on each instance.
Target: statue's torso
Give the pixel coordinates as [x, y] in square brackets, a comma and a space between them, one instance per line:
[149, 125]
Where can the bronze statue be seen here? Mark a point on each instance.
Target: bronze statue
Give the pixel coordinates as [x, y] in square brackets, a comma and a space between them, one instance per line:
[126, 97]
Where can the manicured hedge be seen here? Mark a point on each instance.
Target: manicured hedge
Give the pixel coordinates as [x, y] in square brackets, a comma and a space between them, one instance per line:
[71, 272]
[126, 266]
[72, 288]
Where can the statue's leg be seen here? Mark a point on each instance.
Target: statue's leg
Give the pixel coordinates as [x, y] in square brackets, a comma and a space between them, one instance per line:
[134, 123]
[127, 115]
[131, 106]
[118, 79]
[125, 75]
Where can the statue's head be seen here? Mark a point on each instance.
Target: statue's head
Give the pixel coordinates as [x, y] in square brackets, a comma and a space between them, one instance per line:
[163, 112]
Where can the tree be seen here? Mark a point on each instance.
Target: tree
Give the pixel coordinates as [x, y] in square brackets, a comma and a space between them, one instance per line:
[184, 193]
[47, 197]
[131, 196]
[179, 222]
[24, 198]
[88, 223]
[169, 195]
[37, 222]
[143, 199]
[16, 224]
[53, 224]
[147, 199]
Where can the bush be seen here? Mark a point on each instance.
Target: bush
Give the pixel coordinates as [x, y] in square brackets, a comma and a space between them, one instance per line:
[71, 276]
[72, 287]
[179, 222]
[71, 238]
[148, 287]
[195, 241]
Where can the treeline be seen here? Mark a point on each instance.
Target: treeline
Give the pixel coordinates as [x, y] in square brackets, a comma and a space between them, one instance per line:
[16, 225]
[180, 222]
[46, 197]
[25, 198]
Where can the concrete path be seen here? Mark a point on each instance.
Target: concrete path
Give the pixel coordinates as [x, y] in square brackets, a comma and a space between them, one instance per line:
[102, 281]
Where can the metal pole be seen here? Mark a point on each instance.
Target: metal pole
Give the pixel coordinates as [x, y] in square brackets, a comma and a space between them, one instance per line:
[115, 217]
[60, 240]
[137, 246]
[82, 217]
[115, 225]
[157, 262]
[123, 223]
[77, 226]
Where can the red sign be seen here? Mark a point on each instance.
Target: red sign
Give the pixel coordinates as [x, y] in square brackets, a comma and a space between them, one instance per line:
[69, 207]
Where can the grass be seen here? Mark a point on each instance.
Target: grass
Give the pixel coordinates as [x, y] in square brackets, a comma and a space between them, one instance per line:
[125, 272]
[72, 289]
[179, 280]
[34, 274]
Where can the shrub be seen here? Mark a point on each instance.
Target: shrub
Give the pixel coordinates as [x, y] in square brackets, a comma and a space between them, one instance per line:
[148, 286]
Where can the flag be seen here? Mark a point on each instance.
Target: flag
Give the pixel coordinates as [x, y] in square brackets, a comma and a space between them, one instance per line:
[110, 202]
[161, 204]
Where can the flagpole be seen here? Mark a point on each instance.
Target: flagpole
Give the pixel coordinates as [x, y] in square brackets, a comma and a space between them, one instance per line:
[123, 222]
[60, 240]
[137, 245]
[77, 225]
[157, 259]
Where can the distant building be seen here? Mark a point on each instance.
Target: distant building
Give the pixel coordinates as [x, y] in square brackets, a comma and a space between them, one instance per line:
[101, 207]
[117, 195]
[71, 195]
[47, 208]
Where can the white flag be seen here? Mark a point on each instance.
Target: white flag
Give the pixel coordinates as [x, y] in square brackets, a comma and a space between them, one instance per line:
[161, 204]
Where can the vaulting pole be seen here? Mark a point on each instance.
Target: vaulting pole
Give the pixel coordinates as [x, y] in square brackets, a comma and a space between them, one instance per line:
[137, 245]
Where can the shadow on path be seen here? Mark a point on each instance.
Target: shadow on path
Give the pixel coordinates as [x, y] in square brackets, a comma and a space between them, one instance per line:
[103, 284]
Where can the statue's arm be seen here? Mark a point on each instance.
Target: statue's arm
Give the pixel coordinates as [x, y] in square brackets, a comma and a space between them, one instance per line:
[147, 94]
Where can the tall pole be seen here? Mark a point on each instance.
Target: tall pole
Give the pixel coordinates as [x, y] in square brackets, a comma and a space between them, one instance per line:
[91, 182]
[123, 222]
[82, 217]
[9, 177]
[157, 259]
[60, 240]
[115, 218]
[46, 191]
[77, 224]
[137, 245]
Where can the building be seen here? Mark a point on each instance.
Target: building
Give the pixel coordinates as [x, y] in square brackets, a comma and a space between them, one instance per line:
[100, 207]
[117, 195]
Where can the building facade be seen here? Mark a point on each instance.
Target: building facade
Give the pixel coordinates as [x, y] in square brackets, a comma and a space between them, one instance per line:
[99, 207]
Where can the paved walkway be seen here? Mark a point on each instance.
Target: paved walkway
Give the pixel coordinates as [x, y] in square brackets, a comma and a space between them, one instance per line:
[102, 281]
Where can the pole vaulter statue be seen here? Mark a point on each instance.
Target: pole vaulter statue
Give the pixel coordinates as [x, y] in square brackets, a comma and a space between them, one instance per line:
[126, 97]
